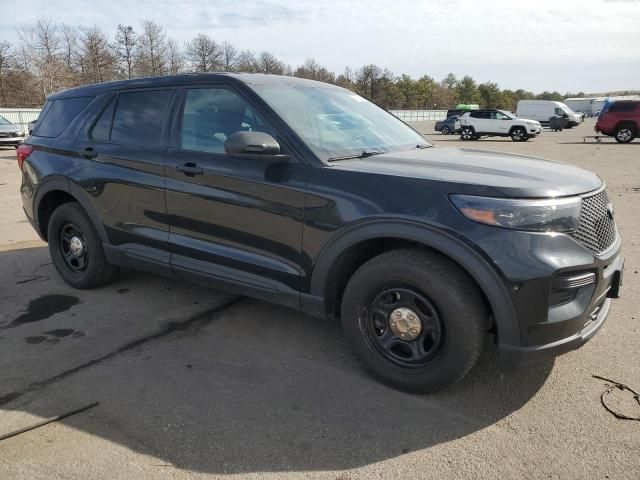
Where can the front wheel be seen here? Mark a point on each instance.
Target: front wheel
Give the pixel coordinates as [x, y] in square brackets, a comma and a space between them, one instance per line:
[76, 249]
[519, 134]
[414, 319]
[446, 130]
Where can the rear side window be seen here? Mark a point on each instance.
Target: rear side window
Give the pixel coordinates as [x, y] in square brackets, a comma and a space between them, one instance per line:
[484, 115]
[623, 106]
[59, 114]
[139, 117]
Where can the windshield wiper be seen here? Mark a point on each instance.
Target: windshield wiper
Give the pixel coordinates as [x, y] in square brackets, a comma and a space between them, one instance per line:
[423, 145]
[364, 154]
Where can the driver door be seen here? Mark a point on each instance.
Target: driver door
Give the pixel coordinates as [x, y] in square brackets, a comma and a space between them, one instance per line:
[234, 222]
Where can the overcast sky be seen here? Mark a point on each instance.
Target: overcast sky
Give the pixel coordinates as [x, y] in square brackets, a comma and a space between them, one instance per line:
[565, 45]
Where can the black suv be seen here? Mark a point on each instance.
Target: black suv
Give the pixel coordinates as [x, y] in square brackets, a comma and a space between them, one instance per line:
[308, 195]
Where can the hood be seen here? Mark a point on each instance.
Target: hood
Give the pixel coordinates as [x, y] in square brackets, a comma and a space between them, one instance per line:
[509, 174]
[10, 128]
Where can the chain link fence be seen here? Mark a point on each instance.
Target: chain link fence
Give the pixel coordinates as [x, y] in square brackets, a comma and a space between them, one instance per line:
[420, 115]
[20, 116]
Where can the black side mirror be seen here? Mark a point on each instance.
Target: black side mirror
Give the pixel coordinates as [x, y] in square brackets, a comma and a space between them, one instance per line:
[254, 145]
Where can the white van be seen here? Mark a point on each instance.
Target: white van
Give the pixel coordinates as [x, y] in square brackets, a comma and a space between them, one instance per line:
[543, 110]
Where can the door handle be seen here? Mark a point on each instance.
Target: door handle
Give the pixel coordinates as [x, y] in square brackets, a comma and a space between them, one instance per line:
[190, 169]
[88, 153]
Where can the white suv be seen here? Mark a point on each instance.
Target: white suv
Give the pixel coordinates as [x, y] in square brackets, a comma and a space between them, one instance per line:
[497, 123]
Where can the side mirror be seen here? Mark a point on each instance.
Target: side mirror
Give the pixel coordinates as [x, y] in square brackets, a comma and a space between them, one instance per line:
[254, 145]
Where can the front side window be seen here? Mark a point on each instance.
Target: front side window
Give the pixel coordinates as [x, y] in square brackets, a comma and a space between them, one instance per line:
[335, 122]
[139, 117]
[211, 115]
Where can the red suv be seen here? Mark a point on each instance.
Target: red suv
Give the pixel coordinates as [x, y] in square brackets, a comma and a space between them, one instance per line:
[621, 120]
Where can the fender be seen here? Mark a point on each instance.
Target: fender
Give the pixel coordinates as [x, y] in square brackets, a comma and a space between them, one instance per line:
[486, 276]
[56, 182]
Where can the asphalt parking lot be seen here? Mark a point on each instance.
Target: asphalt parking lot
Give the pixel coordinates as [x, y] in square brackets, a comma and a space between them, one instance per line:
[195, 383]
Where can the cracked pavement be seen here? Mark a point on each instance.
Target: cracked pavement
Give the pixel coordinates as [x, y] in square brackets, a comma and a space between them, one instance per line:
[196, 383]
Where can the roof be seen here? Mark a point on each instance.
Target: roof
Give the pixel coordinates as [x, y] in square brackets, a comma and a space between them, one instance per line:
[188, 79]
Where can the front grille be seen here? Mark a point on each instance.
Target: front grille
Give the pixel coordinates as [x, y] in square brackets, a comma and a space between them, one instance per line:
[596, 228]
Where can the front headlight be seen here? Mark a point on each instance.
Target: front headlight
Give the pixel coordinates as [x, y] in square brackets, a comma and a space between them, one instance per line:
[554, 215]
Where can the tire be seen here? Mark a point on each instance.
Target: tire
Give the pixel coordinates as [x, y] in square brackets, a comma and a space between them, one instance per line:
[518, 134]
[625, 133]
[445, 130]
[76, 249]
[450, 327]
[467, 133]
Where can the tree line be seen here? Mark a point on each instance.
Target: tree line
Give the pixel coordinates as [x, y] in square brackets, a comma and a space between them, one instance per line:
[48, 57]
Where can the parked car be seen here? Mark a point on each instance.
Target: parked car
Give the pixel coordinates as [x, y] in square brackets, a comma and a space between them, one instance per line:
[620, 119]
[10, 135]
[307, 195]
[448, 126]
[543, 110]
[31, 126]
[497, 123]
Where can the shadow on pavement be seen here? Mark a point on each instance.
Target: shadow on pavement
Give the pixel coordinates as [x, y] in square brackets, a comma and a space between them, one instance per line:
[254, 387]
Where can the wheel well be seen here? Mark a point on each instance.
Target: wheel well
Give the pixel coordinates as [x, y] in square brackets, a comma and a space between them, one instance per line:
[627, 123]
[356, 255]
[516, 127]
[48, 204]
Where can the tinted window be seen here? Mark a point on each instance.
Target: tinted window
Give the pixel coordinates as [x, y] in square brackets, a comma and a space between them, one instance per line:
[623, 107]
[59, 114]
[102, 128]
[476, 114]
[212, 114]
[139, 117]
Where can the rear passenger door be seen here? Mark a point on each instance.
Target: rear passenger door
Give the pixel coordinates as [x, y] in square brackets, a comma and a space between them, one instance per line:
[481, 121]
[235, 222]
[121, 167]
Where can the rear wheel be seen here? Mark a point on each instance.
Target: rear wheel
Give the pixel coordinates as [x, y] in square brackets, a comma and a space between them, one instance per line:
[518, 134]
[467, 133]
[625, 133]
[76, 249]
[415, 320]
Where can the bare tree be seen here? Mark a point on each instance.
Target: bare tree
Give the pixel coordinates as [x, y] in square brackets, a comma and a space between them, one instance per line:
[247, 62]
[229, 56]
[126, 42]
[98, 59]
[204, 53]
[6, 59]
[175, 57]
[313, 70]
[69, 39]
[152, 50]
[268, 63]
[40, 45]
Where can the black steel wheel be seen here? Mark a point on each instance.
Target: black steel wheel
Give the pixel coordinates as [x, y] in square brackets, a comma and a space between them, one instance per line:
[415, 320]
[76, 248]
[404, 327]
[73, 247]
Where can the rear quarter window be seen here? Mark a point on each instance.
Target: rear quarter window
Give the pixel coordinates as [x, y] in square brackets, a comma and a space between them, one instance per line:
[58, 114]
[622, 107]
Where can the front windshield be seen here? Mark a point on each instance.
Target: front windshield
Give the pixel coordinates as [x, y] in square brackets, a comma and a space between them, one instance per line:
[336, 123]
[4, 121]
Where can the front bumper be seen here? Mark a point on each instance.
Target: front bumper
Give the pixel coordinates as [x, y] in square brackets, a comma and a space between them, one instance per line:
[592, 311]
[11, 141]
